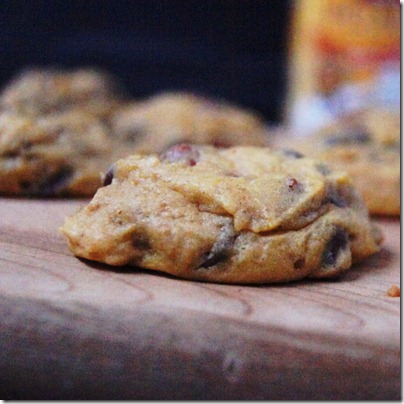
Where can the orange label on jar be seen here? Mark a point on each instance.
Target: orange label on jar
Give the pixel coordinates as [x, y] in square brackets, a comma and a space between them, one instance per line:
[358, 35]
[340, 43]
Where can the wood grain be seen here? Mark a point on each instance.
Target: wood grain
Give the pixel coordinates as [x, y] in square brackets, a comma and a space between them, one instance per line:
[72, 329]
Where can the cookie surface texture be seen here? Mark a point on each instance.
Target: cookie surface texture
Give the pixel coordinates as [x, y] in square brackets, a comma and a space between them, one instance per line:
[368, 148]
[236, 215]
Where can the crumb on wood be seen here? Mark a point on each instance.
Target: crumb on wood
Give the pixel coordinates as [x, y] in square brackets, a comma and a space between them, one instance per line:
[394, 291]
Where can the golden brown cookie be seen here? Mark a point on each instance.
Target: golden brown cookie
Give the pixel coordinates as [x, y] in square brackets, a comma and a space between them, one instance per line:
[171, 118]
[367, 147]
[236, 215]
[55, 155]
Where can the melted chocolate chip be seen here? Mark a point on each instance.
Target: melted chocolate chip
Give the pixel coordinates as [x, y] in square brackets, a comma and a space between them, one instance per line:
[354, 137]
[184, 152]
[109, 176]
[221, 249]
[292, 153]
[337, 243]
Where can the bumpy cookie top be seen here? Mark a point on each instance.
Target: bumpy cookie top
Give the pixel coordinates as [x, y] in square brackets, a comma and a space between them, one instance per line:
[263, 190]
[242, 214]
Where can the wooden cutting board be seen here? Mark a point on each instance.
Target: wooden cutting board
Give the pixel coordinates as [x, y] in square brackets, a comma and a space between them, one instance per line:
[77, 330]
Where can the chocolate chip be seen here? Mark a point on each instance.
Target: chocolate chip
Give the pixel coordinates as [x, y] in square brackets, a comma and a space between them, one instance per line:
[221, 249]
[140, 241]
[337, 243]
[292, 153]
[109, 176]
[11, 154]
[299, 264]
[352, 137]
[55, 182]
[182, 152]
[337, 199]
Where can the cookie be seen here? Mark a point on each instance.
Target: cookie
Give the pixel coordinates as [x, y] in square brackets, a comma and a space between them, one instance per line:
[235, 215]
[166, 119]
[367, 147]
[56, 155]
[45, 91]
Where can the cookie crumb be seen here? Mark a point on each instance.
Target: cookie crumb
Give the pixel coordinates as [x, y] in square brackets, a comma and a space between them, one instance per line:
[394, 291]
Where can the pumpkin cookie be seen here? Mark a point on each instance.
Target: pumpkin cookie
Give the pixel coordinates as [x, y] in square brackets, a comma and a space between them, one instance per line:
[161, 121]
[236, 215]
[367, 147]
[56, 155]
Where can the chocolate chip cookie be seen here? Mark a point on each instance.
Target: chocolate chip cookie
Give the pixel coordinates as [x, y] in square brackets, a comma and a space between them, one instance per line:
[46, 91]
[367, 146]
[166, 119]
[235, 215]
[55, 155]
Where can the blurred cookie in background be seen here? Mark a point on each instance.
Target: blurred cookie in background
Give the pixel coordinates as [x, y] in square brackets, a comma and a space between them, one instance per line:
[169, 118]
[56, 155]
[367, 146]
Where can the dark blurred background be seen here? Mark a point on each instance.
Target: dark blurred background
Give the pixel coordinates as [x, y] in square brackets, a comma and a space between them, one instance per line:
[234, 49]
